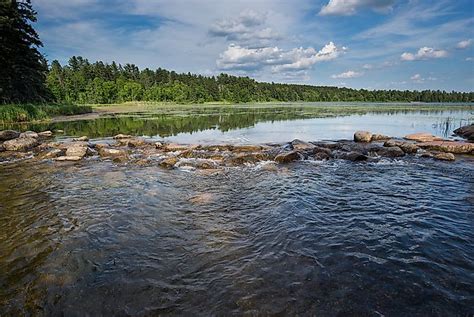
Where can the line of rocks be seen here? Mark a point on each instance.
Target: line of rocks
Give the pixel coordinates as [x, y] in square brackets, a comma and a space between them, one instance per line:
[125, 148]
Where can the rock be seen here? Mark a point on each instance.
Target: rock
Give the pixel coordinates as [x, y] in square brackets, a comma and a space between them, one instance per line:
[242, 158]
[122, 136]
[79, 151]
[82, 138]
[318, 149]
[444, 156]
[422, 137]
[457, 147]
[159, 145]
[321, 156]
[379, 137]
[169, 162]
[58, 131]
[173, 147]
[69, 158]
[111, 153]
[288, 157]
[350, 156]
[20, 144]
[29, 134]
[99, 146]
[2, 149]
[49, 154]
[247, 148]
[136, 142]
[393, 151]
[218, 147]
[466, 132]
[45, 134]
[362, 136]
[407, 147]
[197, 163]
[6, 135]
[299, 145]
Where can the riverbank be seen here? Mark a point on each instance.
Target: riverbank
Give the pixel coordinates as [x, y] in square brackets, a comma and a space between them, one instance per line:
[17, 113]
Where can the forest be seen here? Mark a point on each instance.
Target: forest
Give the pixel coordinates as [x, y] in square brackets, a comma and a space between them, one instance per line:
[81, 81]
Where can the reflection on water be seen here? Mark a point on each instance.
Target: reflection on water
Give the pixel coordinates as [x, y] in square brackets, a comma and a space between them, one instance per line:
[389, 238]
[261, 123]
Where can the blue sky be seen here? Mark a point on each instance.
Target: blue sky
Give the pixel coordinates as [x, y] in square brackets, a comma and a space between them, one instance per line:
[372, 44]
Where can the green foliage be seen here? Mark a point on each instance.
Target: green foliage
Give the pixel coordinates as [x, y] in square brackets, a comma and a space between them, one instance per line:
[83, 82]
[32, 112]
[23, 68]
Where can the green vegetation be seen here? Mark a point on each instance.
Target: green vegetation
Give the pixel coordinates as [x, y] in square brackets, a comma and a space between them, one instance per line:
[100, 83]
[34, 112]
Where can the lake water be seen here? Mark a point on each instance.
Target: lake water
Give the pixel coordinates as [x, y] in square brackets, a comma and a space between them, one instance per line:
[311, 238]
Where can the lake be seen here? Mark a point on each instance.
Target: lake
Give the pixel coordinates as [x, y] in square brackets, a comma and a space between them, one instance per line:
[325, 238]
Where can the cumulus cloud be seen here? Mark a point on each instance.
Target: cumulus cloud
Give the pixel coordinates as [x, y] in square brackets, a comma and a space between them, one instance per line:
[236, 57]
[350, 7]
[249, 25]
[424, 53]
[348, 74]
[464, 44]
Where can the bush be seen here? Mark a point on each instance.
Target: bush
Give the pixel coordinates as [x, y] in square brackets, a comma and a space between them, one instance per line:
[32, 112]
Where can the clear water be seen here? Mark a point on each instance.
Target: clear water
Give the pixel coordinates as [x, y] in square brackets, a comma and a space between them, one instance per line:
[335, 238]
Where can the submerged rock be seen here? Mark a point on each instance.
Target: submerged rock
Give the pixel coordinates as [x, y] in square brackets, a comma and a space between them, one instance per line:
[288, 157]
[204, 198]
[362, 136]
[466, 132]
[6, 135]
[20, 144]
[445, 156]
[422, 137]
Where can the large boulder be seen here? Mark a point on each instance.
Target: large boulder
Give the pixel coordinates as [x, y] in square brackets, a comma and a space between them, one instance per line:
[407, 147]
[350, 156]
[466, 132]
[362, 136]
[392, 152]
[422, 137]
[79, 151]
[457, 147]
[6, 135]
[299, 145]
[379, 137]
[288, 157]
[20, 144]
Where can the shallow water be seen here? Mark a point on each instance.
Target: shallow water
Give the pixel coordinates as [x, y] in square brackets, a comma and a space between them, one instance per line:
[310, 238]
[269, 123]
[390, 238]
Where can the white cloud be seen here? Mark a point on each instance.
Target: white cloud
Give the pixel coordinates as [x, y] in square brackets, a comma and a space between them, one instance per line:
[350, 7]
[464, 44]
[236, 57]
[417, 78]
[469, 59]
[424, 53]
[348, 74]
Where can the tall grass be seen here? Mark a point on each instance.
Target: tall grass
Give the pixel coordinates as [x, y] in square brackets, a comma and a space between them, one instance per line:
[34, 112]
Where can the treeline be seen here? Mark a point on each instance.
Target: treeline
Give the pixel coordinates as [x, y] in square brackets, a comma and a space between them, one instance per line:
[83, 82]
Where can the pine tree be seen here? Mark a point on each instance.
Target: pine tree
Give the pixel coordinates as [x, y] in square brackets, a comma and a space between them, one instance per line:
[22, 67]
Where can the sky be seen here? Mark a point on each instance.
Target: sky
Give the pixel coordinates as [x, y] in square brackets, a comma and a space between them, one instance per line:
[371, 44]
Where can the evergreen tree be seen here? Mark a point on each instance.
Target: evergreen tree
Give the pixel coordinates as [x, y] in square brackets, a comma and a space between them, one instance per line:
[22, 67]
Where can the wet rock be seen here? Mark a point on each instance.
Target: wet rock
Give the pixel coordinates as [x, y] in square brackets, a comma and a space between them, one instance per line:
[131, 142]
[82, 138]
[379, 137]
[321, 156]
[50, 154]
[457, 147]
[318, 149]
[169, 162]
[6, 135]
[218, 147]
[288, 157]
[407, 147]
[444, 156]
[20, 144]
[392, 152]
[350, 156]
[243, 158]
[122, 136]
[45, 134]
[99, 146]
[2, 149]
[422, 137]
[69, 158]
[29, 134]
[362, 136]
[466, 132]
[197, 163]
[247, 148]
[112, 153]
[159, 145]
[79, 151]
[299, 145]
[173, 147]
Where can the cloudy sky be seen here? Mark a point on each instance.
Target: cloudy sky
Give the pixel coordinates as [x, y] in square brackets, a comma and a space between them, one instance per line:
[373, 44]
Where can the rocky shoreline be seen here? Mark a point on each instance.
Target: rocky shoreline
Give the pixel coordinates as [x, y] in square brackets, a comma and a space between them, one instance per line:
[366, 146]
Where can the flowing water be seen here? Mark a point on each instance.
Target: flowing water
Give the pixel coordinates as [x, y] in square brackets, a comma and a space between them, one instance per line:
[311, 238]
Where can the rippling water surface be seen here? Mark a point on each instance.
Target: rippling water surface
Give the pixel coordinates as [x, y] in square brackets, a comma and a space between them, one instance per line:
[387, 238]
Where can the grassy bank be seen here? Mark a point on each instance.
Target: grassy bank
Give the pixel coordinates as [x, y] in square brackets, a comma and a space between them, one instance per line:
[34, 112]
